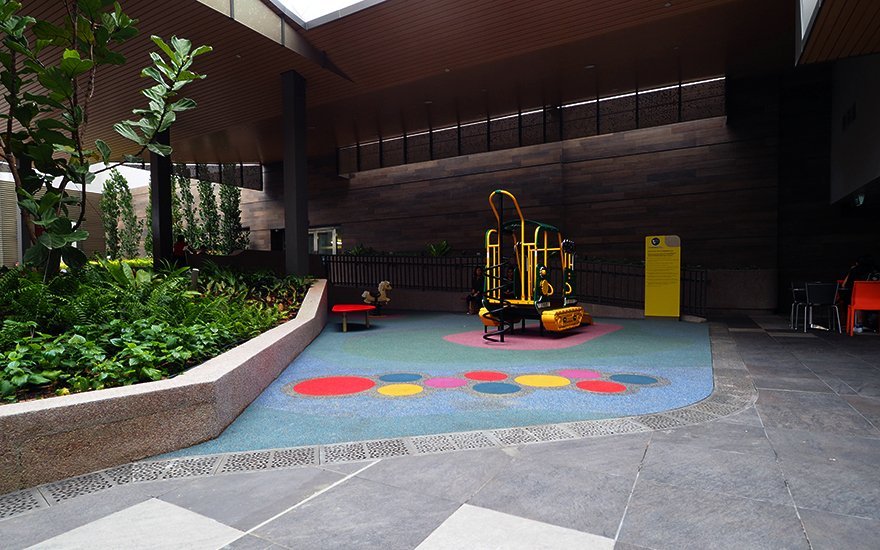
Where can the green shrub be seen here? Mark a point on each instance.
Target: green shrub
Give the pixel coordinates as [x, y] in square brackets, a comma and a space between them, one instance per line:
[112, 324]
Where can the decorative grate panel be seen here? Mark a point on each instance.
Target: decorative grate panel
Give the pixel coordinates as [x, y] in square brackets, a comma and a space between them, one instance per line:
[386, 448]
[345, 452]
[514, 436]
[14, 504]
[246, 462]
[74, 487]
[300, 456]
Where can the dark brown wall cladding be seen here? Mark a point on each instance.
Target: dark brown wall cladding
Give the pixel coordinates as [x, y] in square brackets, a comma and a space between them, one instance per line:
[713, 186]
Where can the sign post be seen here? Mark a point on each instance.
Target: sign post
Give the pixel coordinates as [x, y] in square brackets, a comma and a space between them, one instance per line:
[662, 276]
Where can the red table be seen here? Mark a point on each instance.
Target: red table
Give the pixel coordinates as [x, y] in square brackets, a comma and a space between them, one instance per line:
[353, 308]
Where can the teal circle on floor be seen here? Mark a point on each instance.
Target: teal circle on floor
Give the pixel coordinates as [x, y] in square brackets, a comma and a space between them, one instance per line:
[400, 377]
[634, 379]
[496, 388]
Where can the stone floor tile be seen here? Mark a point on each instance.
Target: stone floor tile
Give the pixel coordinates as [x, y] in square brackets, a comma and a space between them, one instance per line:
[244, 500]
[721, 436]
[810, 383]
[30, 528]
[745, 475]
[811, 411]
[620, 455]
[799, 445]
[869, 407]
[452, 476]
[775, 369]
[478, 528]
[665, 516]
[832, 531]
[145, 526]
[839, 486]
[360, 514]
[250, 542]
[748, 416]
[566, 496]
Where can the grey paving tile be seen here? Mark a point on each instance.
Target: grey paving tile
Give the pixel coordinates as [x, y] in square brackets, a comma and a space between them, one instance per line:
[802, 383]
[345, 468]
[566, 496]
[244, 500]
[868, 407]
[250, 542]
[620, 455]
[145, 526]
[748, 416]
[837, 385]
[832, 531]
[739, 474]
[627, 546]
[720, 436]
[33, 527]
[452, 476]
[666, 516]
[772, 368]
[473, 527]
[360, 514]
[811, 411]
[838, 486]
[798, 445]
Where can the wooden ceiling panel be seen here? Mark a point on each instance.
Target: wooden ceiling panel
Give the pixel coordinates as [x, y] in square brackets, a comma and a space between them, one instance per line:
[502, 56]
[843, 28]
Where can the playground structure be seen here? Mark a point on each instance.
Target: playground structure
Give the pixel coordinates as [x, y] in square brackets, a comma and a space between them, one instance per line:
[537, 282]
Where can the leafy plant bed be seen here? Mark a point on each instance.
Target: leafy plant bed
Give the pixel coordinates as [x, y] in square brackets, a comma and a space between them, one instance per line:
[110, 325]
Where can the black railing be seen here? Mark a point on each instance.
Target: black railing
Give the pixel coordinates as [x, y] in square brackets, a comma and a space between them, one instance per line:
[595, 282]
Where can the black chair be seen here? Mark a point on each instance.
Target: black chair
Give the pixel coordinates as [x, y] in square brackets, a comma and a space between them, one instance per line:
[798, 301]
[822, 295]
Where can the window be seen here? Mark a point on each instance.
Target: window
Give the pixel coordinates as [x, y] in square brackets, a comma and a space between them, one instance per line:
[325, 240]
[9, 225]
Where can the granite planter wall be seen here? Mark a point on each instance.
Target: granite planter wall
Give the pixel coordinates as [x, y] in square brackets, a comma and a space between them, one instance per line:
[55, 438]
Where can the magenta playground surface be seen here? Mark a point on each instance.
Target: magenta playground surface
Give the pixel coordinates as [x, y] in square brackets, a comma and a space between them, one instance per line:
[428, 373]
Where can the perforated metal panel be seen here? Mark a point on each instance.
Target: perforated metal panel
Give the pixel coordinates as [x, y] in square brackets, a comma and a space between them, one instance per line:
[14, 504]
[74, 487]
[246, 462]
[301, 456]
[345, 452]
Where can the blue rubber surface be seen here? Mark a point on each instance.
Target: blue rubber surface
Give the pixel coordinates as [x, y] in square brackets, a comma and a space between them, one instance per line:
[402, 347]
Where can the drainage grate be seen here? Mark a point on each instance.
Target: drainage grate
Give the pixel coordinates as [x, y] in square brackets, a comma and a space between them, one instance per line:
[434, 443]
[590, 428]
[659, 421]
[247, 462]
[514, 436]
[300, 456]
[691, 416]
[472, 440]
[343, 452]
[720, 409]
[191, 467]
[385, 448]
[14, 504]
[74, 487]
[550, 432]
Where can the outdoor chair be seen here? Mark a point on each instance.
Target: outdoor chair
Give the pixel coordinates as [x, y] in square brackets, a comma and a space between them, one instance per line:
[865, 297]
[822, 295]
[798, 301]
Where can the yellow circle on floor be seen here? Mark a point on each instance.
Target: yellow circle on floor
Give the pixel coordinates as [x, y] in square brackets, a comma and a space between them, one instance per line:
[397, 390]
[542, 380]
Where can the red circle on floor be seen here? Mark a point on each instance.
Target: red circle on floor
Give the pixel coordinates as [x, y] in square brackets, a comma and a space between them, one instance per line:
[485, 375]
[334, 385]
[601, 386]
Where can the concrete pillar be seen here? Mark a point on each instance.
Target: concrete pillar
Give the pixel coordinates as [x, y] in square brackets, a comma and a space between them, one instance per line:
[160, 189]
[296, 187]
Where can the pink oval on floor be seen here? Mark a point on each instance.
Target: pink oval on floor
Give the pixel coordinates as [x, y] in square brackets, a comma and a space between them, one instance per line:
[579, 373]
[441, 382]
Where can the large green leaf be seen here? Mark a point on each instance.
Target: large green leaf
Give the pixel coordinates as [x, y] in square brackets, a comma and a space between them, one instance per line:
[73, 257]
[36, 255]
[52, 241]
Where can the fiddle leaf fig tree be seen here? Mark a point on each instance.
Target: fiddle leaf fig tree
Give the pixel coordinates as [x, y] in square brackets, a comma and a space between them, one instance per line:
[48, 84]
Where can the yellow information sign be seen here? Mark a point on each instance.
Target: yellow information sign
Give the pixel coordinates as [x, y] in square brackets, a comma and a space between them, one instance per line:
[662, 276]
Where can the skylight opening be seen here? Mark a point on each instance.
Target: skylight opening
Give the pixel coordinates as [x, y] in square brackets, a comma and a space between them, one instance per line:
[311, 13]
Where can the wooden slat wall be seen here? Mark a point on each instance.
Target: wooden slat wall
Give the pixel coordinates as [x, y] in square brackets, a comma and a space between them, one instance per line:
[713, 186]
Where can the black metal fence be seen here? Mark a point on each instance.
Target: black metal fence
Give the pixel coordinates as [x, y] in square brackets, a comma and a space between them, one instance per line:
[595, 282]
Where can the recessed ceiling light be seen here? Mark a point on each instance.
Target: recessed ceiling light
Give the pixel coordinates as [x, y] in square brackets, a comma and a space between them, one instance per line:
[446, 70]
[589, 67]
[667, 5]
[428, 102]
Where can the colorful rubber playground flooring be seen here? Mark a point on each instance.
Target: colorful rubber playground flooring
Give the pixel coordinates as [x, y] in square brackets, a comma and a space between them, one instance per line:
[418, 373]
